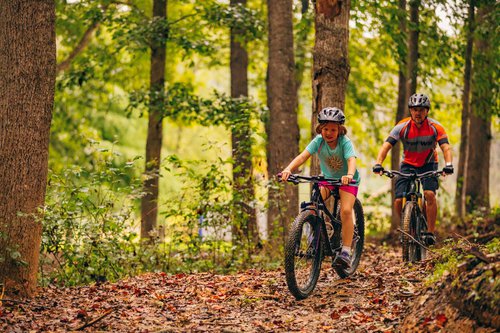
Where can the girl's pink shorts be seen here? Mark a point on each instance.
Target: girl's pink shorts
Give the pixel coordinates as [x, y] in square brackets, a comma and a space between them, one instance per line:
[346, 188]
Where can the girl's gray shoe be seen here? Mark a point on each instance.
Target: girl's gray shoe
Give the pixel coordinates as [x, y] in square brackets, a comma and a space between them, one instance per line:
[343, 260]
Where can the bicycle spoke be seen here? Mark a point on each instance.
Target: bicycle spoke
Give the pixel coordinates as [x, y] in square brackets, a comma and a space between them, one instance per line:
[306, 255]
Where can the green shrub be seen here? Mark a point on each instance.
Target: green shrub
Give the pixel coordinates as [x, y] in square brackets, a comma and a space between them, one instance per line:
[88, 225]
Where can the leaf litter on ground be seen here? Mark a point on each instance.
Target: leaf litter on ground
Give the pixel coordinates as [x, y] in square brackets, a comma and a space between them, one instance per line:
[374, 299]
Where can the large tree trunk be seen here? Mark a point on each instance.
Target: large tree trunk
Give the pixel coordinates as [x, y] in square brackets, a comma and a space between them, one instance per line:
[243, 185]
[413, 47]
[464, 130]
[149, 203]
[282, 128]
[401, 112]
[27, 73]
[483, 99]
[331, 62]
[477, 175]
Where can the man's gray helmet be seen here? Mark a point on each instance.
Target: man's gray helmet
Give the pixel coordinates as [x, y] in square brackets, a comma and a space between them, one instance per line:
[331, 114]
[417, 100]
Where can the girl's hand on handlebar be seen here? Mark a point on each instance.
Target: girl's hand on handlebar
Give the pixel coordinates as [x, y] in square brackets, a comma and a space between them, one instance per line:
[285, 174]
[347, 179]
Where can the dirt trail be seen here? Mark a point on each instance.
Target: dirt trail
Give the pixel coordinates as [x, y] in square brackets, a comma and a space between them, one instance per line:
[375, 299]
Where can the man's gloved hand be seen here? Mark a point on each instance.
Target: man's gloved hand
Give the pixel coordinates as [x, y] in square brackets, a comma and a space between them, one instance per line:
[448, 169]
[377, 168]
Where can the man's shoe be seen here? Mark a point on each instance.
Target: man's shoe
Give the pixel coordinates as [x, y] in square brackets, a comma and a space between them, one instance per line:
[343, 260]
[429, 238]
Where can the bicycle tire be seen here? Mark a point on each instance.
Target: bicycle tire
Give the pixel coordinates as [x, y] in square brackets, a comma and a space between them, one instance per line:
[359, 234]
[301, 281]
[421, 229]
[409, 247]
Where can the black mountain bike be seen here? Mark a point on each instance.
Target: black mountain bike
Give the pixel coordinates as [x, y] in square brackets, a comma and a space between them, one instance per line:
[413, 216]
[316, 233]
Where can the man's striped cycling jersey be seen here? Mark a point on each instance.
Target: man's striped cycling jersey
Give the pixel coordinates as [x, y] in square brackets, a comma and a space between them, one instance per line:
[419, 144]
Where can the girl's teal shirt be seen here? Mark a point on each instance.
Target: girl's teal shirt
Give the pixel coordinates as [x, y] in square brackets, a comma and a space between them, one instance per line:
[333, 162]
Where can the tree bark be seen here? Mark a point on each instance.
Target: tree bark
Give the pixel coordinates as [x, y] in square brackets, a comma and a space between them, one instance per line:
[330, 60]
[243, 185]
[27, 73]
[413, 47]
[464, 129]
[282, 128]
[401, 112]
[149, 203]
[483, 99]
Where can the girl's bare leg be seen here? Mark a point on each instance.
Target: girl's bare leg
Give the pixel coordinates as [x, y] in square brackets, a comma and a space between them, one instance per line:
[325, 192]
[346, 205]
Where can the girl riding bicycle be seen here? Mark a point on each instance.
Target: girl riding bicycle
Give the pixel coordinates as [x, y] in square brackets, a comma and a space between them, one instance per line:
[337, 159]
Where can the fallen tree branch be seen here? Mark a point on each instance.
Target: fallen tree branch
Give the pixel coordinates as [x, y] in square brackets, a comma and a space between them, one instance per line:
[483, 238]
[474, 249]
[416, 241]
[107, 313]
[479, 255]
[463, 238]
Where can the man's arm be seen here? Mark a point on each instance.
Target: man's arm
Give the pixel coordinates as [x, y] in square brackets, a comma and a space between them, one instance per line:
[382, 154]
[446, 148]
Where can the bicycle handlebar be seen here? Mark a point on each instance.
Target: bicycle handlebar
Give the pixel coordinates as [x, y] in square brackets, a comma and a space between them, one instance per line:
[296, 179]
[432, 173]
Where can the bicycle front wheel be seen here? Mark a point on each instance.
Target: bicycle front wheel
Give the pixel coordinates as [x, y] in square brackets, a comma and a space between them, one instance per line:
[411, 250]
[420, 230]
[303, 253]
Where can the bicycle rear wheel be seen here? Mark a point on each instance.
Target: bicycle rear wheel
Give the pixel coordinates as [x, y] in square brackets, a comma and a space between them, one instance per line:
[411, 250]
[303, 254]
[358, 239]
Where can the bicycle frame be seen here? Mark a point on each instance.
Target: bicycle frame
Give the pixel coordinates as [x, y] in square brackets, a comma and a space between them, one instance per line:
[413, 193]
[310, 239]
[413, 188]
[317, 204]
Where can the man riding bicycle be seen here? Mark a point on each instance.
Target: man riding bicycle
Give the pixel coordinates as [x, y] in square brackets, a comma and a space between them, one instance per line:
[419, 136]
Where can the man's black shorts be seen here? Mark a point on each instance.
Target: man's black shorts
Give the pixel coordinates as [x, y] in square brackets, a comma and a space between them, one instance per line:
[428, 184]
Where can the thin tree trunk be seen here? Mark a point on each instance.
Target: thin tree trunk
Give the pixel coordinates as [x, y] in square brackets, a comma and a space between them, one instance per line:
[483, 98]
[401, 112]
[82, 44]
[149, 203]
[243, 185]
[282, 128]
[330, 60]
[464, 130]
[27, 73]
[301, 49]
[413, 46]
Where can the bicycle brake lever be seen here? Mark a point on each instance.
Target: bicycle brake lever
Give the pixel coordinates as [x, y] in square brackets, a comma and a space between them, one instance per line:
[279, 177]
